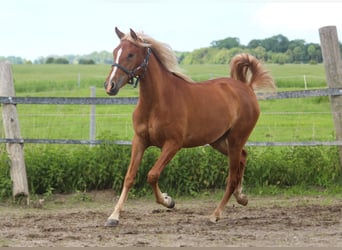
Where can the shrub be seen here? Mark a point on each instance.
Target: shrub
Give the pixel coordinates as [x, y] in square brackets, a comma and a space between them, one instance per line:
[65, 169]
[289, 166]
[5, 179]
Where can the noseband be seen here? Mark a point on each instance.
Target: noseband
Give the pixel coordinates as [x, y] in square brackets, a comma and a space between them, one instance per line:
[133, 73]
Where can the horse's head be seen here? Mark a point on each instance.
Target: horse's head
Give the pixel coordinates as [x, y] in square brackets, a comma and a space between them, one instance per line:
[130, 62]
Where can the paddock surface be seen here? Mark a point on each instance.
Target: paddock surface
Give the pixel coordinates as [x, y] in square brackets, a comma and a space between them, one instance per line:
[266, 221]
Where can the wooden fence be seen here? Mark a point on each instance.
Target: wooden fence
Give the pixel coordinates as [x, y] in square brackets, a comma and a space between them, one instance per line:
[133, 100]
[14, 141]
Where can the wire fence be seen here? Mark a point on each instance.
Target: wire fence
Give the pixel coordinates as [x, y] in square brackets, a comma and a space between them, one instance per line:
[46, 120]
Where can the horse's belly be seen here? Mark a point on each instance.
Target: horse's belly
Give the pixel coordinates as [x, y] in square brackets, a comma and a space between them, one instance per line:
[205, 134]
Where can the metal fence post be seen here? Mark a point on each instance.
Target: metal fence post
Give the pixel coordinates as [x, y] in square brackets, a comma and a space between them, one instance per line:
[92, 125]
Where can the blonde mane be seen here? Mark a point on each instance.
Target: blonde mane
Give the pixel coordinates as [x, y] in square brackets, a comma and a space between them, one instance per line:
[162, 51]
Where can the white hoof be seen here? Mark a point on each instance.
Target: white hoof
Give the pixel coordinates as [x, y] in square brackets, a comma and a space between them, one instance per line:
[168, 201]
[214, 219]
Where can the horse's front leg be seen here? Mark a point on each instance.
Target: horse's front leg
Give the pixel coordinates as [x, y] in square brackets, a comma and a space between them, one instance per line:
[138, 149]
[168, 152]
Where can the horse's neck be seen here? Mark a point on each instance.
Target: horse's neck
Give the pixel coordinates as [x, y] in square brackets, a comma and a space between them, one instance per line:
[156, 84]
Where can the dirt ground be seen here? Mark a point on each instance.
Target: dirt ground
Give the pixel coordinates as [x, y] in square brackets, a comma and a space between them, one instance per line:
[266, 221]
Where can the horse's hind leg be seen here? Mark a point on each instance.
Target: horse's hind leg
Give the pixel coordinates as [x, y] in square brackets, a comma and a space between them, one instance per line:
[222, 146]
[239, 196]
[234, 180]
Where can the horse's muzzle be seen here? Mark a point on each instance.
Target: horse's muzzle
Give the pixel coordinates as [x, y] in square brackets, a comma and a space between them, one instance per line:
[111, 88]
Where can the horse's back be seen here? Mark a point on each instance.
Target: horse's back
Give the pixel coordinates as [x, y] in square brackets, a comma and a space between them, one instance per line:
[227, 92]
[216, 106]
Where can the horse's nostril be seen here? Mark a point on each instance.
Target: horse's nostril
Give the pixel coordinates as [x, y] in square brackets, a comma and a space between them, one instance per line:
[108, 86]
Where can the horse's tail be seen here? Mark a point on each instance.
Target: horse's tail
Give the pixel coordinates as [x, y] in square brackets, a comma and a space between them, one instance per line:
[246, 68]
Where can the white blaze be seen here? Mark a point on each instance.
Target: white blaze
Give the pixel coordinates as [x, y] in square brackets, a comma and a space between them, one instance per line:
[115, 68]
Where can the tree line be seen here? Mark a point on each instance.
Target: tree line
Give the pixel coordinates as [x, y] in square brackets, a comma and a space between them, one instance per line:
[276, 49]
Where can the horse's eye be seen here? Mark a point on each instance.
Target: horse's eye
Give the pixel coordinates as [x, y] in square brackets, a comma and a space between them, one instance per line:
[130, 55]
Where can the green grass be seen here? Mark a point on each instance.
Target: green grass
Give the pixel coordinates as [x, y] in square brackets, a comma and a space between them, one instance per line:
[47, 79]
[295, 120]
[280, 120]
[286, 76]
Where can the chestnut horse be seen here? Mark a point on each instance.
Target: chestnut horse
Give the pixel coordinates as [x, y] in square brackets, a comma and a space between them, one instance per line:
[173, 112]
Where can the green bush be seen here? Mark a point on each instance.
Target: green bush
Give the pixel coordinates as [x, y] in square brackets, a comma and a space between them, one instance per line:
[289, 166]
[65, 169]
[5, 179]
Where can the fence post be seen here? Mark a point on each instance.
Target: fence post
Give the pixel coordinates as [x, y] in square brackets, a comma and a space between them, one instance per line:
[12, 130]
[333, 71]
[92, 125]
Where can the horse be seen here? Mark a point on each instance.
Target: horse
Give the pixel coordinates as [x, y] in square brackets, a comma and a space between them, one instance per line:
[174, 112]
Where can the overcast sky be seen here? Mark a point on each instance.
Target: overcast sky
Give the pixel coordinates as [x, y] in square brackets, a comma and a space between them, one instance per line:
[33, 28]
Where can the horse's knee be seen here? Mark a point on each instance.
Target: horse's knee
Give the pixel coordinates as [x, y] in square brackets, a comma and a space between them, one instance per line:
[128, 181]
[152, 178]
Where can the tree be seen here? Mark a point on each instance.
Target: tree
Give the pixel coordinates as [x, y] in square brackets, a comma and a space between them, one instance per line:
[227, 43]
[280, 58]
[260, 53]
[254, 43]
[61, 61]
[314, 53]
[222, 57]
[278, 43]
[296, 43]
[311, 51]
[86, 61]
[298, 54]
[50, 60]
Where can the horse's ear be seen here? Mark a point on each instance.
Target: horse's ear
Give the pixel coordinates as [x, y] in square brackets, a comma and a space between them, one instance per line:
[119, 33]
[134, 35]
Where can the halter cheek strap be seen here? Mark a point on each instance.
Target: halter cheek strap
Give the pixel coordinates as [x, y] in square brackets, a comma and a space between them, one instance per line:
[133, 73]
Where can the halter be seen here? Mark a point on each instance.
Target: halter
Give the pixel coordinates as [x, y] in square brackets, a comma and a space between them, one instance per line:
[133, 73]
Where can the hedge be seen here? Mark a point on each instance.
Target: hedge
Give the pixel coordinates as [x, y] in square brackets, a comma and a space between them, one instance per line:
[66, 169]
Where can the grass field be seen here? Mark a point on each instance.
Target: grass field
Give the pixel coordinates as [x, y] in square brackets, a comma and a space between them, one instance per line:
[281, 120]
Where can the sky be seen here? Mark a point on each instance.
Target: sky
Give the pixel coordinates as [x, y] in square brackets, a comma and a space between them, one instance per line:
[35, 28]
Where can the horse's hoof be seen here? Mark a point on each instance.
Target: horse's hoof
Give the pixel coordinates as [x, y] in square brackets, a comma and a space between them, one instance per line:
[168, 201]
[242, 200]
[111, 223]
[213, 220]
[171, 205]
[215, 217]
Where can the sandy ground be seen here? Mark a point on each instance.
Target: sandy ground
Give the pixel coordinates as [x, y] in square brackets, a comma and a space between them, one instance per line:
[266, 221]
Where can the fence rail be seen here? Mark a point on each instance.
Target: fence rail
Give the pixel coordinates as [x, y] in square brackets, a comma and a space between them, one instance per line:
[134, 100]
[123, 142]
[68, 100]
